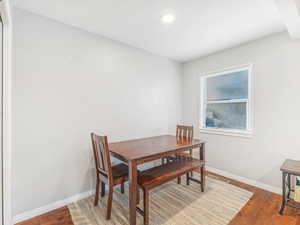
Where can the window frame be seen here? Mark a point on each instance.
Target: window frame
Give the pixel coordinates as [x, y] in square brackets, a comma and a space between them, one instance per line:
[248, 132]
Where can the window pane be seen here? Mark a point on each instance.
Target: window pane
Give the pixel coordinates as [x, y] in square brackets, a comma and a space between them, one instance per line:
[226, 115]
[228, 86]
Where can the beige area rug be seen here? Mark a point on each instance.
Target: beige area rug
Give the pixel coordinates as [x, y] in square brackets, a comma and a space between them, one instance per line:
[170, 204]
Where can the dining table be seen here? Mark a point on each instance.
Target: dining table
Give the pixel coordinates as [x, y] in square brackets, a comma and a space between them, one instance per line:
[139, 151]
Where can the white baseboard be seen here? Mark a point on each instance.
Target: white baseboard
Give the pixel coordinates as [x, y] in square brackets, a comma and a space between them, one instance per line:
[245, 180]
[50, 207]
[64, 202]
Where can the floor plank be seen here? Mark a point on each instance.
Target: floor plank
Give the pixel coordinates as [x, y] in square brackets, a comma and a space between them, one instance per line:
[262, 209]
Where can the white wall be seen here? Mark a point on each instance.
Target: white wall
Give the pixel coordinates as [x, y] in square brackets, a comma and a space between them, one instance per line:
[276, 73]
[67, 83]
[1, 148]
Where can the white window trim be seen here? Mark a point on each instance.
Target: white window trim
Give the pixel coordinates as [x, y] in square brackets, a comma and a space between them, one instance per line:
[223, 131]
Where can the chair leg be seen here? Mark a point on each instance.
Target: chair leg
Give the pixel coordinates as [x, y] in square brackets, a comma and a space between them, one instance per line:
[178, 180]
[109, 202]
[187, 179]
[146, 207]
[122, 188]
[191, 155]
[102, 189]
[138, 196]
[162, 161]
[97, 192]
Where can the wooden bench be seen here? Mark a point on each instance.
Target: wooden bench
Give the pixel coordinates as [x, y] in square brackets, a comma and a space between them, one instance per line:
[159, 175]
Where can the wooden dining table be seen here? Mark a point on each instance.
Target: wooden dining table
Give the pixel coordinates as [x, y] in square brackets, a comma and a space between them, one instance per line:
[140, 151]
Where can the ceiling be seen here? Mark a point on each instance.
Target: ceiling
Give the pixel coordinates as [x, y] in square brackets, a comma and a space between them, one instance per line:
[201, 27]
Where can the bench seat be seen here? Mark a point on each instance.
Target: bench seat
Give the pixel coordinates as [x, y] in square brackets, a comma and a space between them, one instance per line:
[159, 175]
[164, 173]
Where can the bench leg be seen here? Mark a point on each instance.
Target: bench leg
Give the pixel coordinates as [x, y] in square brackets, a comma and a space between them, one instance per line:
[187, 178]
[178, 180]
[146, 207]
[202, 178]
[202, 157]
[122, 188]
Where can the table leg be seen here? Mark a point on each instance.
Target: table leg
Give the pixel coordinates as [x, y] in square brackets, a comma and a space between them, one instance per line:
[283, 192]
[202, 157]
[132, 191]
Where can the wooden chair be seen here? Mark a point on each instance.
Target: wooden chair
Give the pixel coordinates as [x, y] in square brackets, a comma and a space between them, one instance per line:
[105, 172]
[186, 132]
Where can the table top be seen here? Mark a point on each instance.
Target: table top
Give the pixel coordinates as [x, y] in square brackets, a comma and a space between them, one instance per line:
[147, 147]
[291, 166]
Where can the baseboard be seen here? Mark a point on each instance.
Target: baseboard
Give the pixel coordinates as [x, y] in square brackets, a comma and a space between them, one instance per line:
[245, 180]
[50, 207]
[61, 203]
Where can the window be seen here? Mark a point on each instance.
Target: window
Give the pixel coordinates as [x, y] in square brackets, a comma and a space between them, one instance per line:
[226, 102]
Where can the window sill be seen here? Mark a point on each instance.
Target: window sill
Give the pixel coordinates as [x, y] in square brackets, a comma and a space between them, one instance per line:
[236, 133]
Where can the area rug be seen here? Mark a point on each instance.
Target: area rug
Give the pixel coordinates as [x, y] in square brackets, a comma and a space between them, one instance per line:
[170, 204]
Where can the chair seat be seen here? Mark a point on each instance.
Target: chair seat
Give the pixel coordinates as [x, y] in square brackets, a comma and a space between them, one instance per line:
[184, 155]
[120, 170]
[180, 155]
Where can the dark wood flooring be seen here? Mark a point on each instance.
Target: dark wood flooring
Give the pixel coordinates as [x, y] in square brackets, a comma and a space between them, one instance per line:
[262, 209]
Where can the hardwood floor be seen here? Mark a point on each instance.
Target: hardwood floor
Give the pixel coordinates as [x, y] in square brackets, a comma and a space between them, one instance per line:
[262, 209]
[56, 217]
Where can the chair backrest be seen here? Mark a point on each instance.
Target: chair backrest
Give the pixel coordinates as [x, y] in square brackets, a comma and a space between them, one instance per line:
[185, 132]
[101, 154]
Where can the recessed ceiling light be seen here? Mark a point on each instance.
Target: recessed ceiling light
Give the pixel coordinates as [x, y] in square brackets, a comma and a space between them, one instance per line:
[168, 18]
